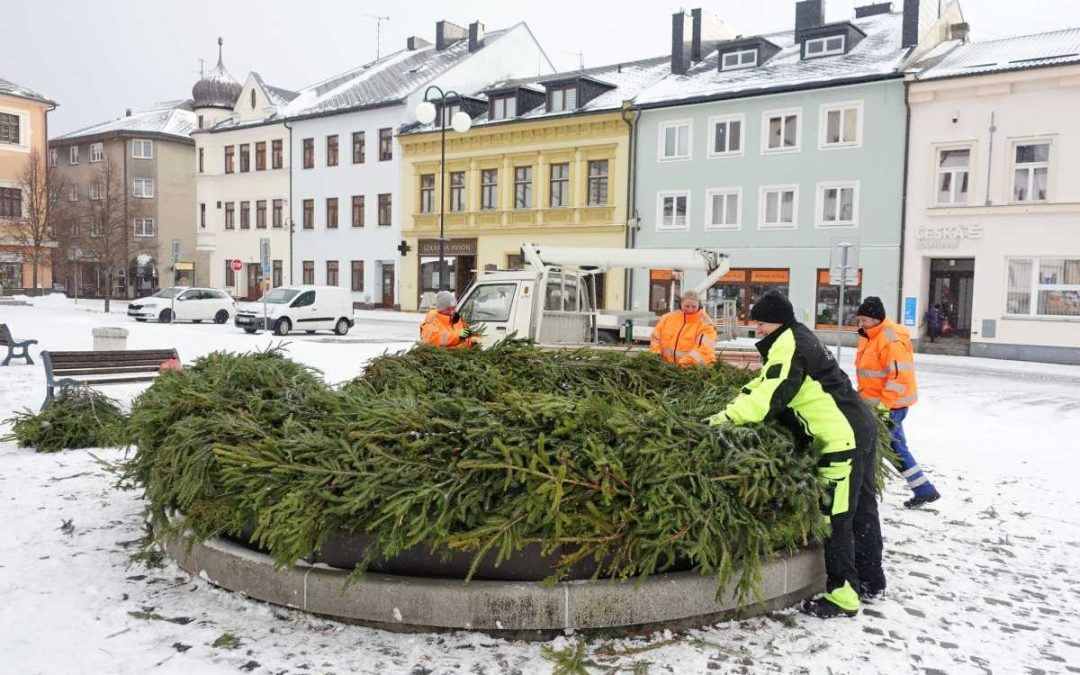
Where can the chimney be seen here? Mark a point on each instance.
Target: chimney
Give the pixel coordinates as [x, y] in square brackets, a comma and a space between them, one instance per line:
[476, 36]
[682, 39]
[959, 31]
[709, 31]
[415, 43]
[808, 14]
[871, 10]
[127, 112]
[910, 35]
[447, 33]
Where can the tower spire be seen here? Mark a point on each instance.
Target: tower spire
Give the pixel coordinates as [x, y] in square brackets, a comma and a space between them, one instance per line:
[220, 42]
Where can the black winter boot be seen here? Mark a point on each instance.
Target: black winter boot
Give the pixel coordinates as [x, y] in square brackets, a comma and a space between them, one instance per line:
[918, 500]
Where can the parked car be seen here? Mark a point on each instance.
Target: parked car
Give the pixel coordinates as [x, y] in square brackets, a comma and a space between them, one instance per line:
[189, 304]
[307, 308]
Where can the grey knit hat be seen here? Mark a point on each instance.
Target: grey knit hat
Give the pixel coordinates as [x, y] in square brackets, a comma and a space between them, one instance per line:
[444, 300]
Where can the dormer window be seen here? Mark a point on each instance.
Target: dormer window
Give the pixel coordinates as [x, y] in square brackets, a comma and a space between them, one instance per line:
[503, 107]
[823, 46]
[252, 99]
[562, 99]
[746, 58]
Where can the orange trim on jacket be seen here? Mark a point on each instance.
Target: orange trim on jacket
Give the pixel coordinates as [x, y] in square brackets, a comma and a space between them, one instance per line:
[439, 330]
[685, 339]
[885, 366]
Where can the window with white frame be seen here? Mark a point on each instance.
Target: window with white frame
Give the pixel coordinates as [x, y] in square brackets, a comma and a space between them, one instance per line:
[746, 58]
[781, 130]
[143, 188]
[723, 209]
[54, 157]
[1047, 287]
[675, 140]
[673, 210]
[953, 170]
[777, 206]
[97, 190]
[726, 135]
[10, 128]
[841, 125]
[144, 227]
[823, 46]
[142, 148]
[1031, 170]
[97, 152]
[562, 99]
[73, 193]
[73, 155]
[838, 204]
[503, 107]
[96, 230]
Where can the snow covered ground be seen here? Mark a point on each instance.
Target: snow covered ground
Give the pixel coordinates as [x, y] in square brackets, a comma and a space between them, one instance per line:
[982, 582]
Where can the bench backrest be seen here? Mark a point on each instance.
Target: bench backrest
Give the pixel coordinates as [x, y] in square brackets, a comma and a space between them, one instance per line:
[106, 365]
[5, 335]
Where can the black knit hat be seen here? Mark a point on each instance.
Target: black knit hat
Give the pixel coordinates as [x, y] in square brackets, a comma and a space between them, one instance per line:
[773, 307]
[872, 307]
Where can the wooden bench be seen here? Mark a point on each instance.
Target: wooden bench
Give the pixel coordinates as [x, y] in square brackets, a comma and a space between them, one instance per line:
[6, 340]
[68, 369]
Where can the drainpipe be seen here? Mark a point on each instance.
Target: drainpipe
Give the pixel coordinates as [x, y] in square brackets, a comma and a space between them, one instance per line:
[631, 117]
[292, 226]
[903, 205]
[990, 157]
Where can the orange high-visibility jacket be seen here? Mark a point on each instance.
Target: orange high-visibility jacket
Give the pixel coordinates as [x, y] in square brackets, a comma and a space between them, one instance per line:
[885, 366]
[685, 339]
[439, 330]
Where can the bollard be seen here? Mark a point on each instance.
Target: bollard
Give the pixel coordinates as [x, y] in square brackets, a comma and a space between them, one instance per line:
[109, 339]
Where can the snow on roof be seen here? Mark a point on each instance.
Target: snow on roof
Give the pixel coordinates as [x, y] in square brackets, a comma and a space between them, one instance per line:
[171, 118]
[626, 80]
[1013, 53]
[278, 96]
[880, 53]
[389, 79]
[11, 89]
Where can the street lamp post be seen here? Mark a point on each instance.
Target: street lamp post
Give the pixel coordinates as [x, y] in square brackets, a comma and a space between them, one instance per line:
[461, 122]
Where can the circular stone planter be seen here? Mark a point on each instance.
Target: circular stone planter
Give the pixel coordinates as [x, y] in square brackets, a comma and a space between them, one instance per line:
[524, 609]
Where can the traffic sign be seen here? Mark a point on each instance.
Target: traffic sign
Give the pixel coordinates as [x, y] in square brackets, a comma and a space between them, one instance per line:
[237, 264]
[264, 256]
[844, 262]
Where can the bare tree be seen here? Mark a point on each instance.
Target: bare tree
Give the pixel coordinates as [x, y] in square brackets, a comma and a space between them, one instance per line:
[107, 238]
[35, 231]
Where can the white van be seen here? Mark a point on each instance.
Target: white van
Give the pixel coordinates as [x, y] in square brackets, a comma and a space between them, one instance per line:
[306, 308]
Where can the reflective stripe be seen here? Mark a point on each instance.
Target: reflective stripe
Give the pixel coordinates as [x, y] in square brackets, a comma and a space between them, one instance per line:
[444, 340]
[905, 366]
[694, 355]
[872, 401]
[895, 386]
[912, 471]
[890, 334]
[907, 400]
[669, 352]
[866, 372]
[921, 480]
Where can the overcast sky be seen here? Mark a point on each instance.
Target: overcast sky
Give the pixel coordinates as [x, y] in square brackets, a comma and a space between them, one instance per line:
[98, 57]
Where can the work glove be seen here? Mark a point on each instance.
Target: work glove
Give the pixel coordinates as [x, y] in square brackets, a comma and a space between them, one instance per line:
[465, 334]
[716, 420]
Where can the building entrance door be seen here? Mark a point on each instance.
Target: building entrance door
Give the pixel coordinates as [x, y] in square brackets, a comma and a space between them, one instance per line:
[952, 285]
[388, 286]
[254, 274]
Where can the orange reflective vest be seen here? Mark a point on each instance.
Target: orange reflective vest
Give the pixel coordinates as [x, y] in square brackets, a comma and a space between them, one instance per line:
[439, 330]
[685, 339]
[885, 366]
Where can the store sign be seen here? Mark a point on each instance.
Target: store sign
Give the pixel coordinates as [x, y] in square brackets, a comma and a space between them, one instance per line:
[430, 247]
[946, 236]
[910, 308]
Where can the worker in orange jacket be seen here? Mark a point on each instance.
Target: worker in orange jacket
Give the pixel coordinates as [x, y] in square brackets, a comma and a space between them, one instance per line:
[885, 368]
[443, 326]
[686, 336]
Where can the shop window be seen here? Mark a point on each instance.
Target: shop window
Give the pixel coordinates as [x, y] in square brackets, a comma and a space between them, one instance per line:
[826, 298]
[665, 286]
[745, 286]
[1049, 287]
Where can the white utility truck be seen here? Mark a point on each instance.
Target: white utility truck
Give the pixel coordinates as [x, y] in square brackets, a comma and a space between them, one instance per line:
[552, 303]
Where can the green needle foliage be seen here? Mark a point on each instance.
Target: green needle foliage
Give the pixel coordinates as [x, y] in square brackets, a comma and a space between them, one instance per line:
[596, 456]
[78, 417]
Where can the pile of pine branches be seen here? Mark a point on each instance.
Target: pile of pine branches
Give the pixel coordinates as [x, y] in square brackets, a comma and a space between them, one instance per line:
[78, 417]
[603, 456]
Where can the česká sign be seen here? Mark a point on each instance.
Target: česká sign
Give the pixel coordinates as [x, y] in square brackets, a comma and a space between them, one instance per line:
[946, 236]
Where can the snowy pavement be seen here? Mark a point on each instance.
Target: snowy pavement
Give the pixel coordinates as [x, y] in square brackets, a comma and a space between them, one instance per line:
[983, 582]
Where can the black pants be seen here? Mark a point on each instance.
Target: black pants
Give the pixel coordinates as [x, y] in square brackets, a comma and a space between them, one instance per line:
[853, 550]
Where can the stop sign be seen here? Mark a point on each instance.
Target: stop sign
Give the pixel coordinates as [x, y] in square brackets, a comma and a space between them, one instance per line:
[237, 264]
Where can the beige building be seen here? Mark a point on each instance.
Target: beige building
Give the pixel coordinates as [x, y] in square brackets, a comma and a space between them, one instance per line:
[152, 156]
[23, 131]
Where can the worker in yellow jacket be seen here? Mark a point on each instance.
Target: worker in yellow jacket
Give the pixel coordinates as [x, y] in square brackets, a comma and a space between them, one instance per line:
[686, 336]
[443, 327]
[885, 370]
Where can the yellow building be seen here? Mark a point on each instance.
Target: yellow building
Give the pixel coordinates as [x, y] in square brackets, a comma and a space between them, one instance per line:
[546, 161]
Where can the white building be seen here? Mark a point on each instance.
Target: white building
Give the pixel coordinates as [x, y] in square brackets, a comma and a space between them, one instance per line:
[992, 227]
[242, 179]
[346, 182]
